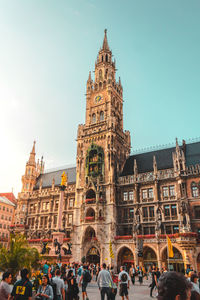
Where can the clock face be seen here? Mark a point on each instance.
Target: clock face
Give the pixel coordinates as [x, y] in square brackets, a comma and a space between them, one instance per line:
[98, 99]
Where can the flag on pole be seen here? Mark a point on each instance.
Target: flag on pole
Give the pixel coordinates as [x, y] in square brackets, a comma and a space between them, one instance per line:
[111, 251]
[170, 247]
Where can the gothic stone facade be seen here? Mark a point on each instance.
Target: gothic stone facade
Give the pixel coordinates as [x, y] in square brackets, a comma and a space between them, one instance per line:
[131, 200]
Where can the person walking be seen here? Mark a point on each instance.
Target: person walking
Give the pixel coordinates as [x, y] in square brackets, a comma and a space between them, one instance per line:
[105, 282]
[22, 289]
[45, 291]
[85, 278]
[5, 288]
[45, 268]
[154, 280]
[60, 289]
[132, 273]
[124, 281]
[79, 273]
[140, 275]
[114, 288]
[72, 287]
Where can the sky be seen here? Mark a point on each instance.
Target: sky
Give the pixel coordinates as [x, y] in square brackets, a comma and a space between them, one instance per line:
[47, 49]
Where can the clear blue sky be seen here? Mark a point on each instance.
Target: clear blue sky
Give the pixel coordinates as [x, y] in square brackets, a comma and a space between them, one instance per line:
[47, 49]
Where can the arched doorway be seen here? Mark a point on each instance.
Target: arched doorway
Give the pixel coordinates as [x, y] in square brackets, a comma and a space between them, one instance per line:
[125, 258]
[198, 262]
[149, 257]
[175, 263]
[93, 256]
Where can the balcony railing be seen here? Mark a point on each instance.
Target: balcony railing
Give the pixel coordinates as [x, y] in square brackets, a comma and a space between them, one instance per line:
[123, 237]
[90, 200]
[90, 219]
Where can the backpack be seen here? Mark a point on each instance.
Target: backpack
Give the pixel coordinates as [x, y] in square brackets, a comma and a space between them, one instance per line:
[79, 271]
[124, 277]
[87, 277]
[54, 288]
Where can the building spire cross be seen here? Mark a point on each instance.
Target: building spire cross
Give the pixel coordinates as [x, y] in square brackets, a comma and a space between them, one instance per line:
[105, 41]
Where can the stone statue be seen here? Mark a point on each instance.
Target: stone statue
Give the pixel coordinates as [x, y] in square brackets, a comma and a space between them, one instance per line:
[44, 248]
[57, 246]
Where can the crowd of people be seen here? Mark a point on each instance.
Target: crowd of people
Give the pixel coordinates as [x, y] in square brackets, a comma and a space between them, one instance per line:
[67, 282]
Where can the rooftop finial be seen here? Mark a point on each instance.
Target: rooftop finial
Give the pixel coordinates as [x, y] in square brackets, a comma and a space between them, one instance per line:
[105, 42]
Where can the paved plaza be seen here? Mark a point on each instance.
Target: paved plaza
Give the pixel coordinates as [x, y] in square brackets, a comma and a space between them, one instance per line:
[135, 292]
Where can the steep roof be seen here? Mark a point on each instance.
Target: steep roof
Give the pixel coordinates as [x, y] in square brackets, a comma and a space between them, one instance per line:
[6, 201]
[9, 196]
[163, 159]
[56, 175]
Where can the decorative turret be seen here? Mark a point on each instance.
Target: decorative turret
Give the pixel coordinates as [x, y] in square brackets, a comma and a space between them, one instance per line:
[28, 180]
[89, 83]
[155, 169]
[178, 159]
[31, 161]
[135, 169]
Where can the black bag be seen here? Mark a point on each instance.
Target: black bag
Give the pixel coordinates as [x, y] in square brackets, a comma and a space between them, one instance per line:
[87, 277]
[124, 277]
[54, 288]
[75, 287]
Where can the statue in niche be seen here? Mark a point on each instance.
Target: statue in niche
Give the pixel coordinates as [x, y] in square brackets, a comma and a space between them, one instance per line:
[158, 220]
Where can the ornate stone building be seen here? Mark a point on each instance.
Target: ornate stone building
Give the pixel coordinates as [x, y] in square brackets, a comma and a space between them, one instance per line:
[131, 200]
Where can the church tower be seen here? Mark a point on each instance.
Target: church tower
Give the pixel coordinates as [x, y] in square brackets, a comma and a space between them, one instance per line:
[102, 148]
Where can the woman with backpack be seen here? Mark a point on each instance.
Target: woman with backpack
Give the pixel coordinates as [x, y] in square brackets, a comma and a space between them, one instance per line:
[72, 289]
[45, 290]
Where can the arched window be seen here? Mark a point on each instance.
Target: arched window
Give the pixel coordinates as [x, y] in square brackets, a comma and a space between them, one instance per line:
[100, 74]
[102, 58]
[106, 57]
[93, 118]
[106, 73]
[101, 116]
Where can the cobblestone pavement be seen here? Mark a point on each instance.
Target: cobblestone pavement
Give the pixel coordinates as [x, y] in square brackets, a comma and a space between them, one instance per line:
[136, 292]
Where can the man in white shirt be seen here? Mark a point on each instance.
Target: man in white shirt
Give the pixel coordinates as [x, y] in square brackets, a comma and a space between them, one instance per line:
[124, 282]
[60, 288]
[194, 281]
[104, 282]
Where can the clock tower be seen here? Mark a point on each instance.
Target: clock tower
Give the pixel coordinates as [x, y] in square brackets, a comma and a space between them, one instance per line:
[102, 148]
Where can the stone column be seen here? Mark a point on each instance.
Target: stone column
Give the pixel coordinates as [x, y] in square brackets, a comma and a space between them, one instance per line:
[158, 256]
[60, 207]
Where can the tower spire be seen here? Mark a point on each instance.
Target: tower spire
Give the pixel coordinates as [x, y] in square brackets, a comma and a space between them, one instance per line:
[105, 41]
[31, 160]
